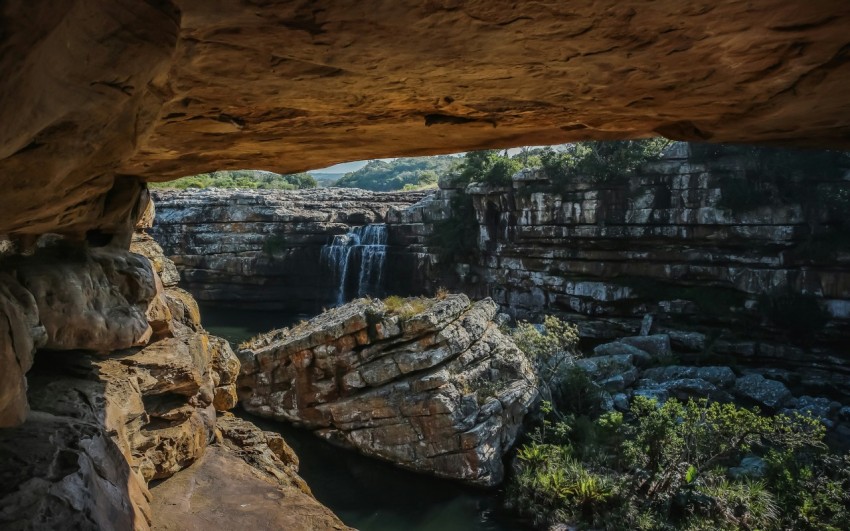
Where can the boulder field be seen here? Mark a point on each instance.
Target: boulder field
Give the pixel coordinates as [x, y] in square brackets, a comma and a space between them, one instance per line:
[648, 366]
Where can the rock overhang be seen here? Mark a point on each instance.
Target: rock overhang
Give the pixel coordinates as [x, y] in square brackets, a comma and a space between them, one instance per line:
[100, 93]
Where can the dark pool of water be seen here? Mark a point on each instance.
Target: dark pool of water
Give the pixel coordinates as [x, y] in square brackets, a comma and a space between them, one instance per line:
[239, 324]
[365, 493]
[372, 495]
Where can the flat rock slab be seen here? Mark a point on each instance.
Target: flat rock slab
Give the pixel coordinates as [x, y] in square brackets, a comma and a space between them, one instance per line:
[220, 491]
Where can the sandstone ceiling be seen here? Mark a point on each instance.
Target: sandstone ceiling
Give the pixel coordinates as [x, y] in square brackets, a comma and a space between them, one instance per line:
[95, 92]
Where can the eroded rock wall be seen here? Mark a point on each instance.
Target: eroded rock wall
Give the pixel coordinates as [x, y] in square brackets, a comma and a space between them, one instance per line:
[767, 285]
[262, 248]
[125, 389]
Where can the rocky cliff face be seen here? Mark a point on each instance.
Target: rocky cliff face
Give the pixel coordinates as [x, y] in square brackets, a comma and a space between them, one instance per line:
[269, 248]
[764, 285]
[125, 389]
[761, 285]
[433, 386]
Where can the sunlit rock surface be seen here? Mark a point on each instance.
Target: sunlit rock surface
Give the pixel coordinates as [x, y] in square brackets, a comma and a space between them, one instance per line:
[125, 389]
[100, 90]
[440, 390]
[248, 481]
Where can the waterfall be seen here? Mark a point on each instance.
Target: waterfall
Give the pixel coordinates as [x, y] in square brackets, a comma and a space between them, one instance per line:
[361, 252]
[373, 254]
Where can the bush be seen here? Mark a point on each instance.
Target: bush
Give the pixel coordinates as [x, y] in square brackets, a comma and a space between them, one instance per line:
[813, 489]
[488, 166]
[543, 343]
[242, 179]
[550, 348]
[668, 463]
[601, 161]
[552, 485]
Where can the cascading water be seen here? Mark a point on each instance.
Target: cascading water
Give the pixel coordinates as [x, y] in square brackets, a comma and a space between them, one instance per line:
[366, 249]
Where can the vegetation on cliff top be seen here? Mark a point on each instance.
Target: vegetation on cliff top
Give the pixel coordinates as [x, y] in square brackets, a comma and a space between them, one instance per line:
[601, 161]
[242, 179]
[406, 173]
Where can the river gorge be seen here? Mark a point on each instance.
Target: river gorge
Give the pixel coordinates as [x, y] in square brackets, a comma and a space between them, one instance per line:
[658, 256]
[619, 300]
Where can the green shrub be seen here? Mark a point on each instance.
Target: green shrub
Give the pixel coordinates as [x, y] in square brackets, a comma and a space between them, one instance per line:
[812, 488]
[668, 463]
[551, 349]
[552, 485]
[489, 166]
[554, 337]
[743, 504]
[601, 161]
[241, 179]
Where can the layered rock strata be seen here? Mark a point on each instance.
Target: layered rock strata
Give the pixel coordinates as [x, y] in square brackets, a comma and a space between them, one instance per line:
[263, 248]
[724, 284]
[433, 386]
[125, 390]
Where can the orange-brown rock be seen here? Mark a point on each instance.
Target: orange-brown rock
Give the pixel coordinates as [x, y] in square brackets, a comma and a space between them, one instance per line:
[97, 92]
[221, 491]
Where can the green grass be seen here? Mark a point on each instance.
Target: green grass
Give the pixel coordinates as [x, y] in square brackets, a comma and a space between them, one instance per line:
[406, 308]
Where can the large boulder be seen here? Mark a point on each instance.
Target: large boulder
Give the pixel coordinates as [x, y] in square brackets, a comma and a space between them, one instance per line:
[718, 375]
[94, 299]
[433, 386]
[764, 392]
[66, 472]
[121, 393]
